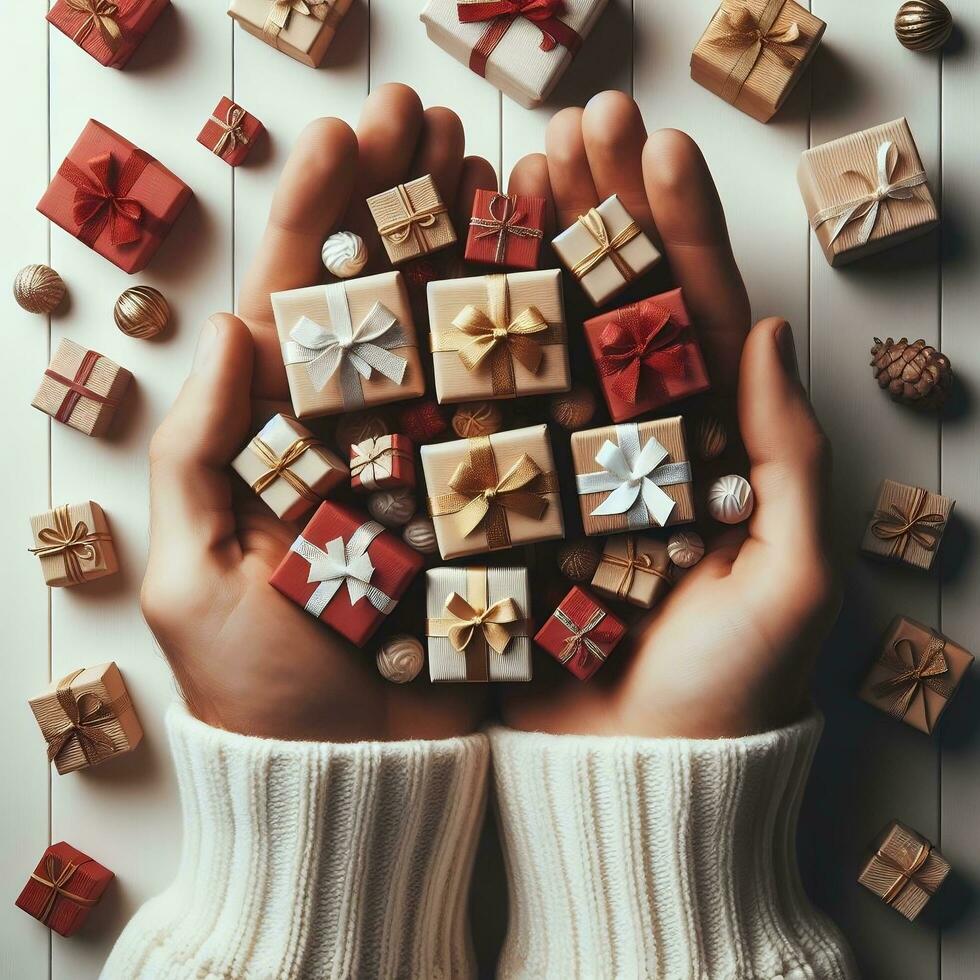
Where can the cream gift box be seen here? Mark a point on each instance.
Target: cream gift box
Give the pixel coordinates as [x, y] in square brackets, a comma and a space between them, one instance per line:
[412, 219]
[303, 29]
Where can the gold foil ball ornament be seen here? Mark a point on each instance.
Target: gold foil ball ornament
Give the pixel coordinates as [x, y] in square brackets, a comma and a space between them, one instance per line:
[356, 427]
[393, 508]
[38, 289]
[923, 25]
[710, 437]
[573, 409]
[685, 549]
[400, 659]
[420, 534]
[141, 312]
[578, 560]
[476, 419]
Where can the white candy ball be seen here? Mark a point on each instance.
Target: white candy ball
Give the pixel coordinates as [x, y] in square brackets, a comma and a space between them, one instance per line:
[730, 499]
[344, 254]
[685, 549]
[400, 659]
[393, 508]
[420, 534]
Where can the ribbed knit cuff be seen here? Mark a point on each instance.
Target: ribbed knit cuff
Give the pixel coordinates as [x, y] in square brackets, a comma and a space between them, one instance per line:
[314, 859]
[661, 858]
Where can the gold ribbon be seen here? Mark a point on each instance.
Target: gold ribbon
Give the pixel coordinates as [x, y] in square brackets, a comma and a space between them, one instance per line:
[906, 873]
[578, 636]
[281, 10]
[75, 542]
[373, 460]
[899, 527]
[606, 247]
[57, 878]
[503, 224]
[278, 467]
[413, 222]
[231, 130]
[101, 16]
[631, 563]
[82, 721]
[911, 674]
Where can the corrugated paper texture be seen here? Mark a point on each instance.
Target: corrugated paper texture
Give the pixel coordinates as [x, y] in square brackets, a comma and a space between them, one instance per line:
[896, 505]
[94, 562]
[409, 241]
[134, 18]
[454, 381]
[304, 38]
[634, 568]
[825, 181]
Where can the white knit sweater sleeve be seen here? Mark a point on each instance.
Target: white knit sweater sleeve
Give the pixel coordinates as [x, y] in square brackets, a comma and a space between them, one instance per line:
[659, 858]
[314, 860]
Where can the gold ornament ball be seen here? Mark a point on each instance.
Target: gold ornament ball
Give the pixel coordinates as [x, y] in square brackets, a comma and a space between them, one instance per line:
[141, 312]
[710, 437]
[578, 560]
[400, 659]
[923, 25]
[38, 289]
[573, 409]
[477, 419]
[358, 426]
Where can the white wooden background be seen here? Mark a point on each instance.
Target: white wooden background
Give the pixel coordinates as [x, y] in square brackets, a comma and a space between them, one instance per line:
[869, 769]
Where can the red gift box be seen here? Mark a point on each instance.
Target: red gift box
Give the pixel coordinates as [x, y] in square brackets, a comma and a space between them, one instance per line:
[506, 229]
[581, 633]
[359, 571]
[109, 30]
[231, 132]
[66, 884]
[647, 355]
[114, 197]
[382, 463]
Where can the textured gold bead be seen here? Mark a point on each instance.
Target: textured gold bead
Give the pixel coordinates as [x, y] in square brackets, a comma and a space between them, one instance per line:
[573, 409]
[38, 289]
[578, 560]
[400, 659]
[923, 25]
[710, 437]
[141, 312]
[477, 419]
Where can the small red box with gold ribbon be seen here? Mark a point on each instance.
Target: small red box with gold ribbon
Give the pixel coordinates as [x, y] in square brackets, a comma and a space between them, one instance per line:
[64, 888]
[230, 132]
[382, 463]
[109, 30]
[581, 633]
[114, 197]
[647, 355]
[506, 229]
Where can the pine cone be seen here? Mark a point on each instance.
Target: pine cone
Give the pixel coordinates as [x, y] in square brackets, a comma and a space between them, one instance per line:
[915, 374]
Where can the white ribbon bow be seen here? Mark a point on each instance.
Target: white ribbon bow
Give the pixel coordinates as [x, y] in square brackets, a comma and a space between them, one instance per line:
[633, 477]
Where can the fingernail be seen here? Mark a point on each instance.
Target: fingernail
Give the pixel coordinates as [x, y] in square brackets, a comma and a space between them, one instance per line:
[786, 346]
[205, 347]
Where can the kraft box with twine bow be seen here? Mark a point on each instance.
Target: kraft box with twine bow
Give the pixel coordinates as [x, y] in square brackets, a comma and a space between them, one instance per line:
[64, 888]
[86, 718]
[634, 568]
[506, 229]
[907, 525]
[866, 192]
[348, 345]
[230, 132]
[114, 197]
[109, 30]
[302, 29]
[412, 220]
[73, 544]
[753, 53]
[581, 633]
[498, 336]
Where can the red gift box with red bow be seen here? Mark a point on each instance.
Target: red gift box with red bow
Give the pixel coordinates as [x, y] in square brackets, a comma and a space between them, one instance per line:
[581, 633]
[506, 229]
[230, 132]
[109, 30]
[647, 355]
[114, 197]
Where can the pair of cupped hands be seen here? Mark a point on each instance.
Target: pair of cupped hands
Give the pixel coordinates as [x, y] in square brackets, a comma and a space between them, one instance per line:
[728, 652]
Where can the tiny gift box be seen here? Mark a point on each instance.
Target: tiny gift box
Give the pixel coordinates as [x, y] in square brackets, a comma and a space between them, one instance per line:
[347, 571]
[581, 633]
[303, 29]
[81, 388]
[916, 674]
[632, 476]
[634, 568]
[907, 524]
[506, 229]
[498, 336]
[86, 718]
[289, 468]
[493, 492]
[605, 250]
[114, 197]
[230, 132]
[64, 887]
[382, 463]
[109, 30]
[866, 192]
[477, 624]
[755, 51]
[348, 345]
[412, 220]
[646, 355]
[521, 47]
[905, 871]
[73, 544]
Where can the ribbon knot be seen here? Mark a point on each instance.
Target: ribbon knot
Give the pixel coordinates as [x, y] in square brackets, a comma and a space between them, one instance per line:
[56, 877]
[490, 624]
[100, 15]
[606, 247]
[83, 716]
[911, 673]
[281, 11]
[279, 467]
[505, 219]
[908, 870]
[413, 220]
[578, 640]
[74, 542]
[900, 526]
[231, 130]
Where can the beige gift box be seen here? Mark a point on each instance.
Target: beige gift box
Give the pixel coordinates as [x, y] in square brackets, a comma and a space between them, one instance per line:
[73, 544]
[86, 718]
[605, 250]
[842, 180]
[289, 468]
[634, 568]
[412, 219]
[305, 36]
[470, 362]
[907, 524]
[497, 651]
[493, 492]
[348, 312]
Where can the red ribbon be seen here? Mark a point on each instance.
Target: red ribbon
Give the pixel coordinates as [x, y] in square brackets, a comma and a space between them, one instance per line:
[502, 13]
[76, 386]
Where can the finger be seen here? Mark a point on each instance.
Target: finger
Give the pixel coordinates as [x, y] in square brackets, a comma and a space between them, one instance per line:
[530, 176]
[440, 151]
[568, 167]
[477, 174]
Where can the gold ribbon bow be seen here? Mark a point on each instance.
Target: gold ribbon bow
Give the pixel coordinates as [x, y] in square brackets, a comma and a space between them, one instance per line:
[899, 527]
[57, 879]
[83, 717]
[502, 223]
[912, 673]
[631, 563]
[278, 467]
[231, 130]
[487, 625]
[606, 247]
[412, 221]
[281, 10]
[74, 542]
[101, 16]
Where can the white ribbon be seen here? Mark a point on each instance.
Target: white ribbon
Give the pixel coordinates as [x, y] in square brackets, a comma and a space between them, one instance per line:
[343, 564]
[355, 352]
[633, 477]
[869, 206]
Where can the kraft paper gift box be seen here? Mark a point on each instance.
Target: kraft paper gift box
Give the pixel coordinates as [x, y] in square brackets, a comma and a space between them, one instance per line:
[632, 476]
[303, 29]
[866, 192]
[916, 674]
[109, 30]
[86, 718]
[907, 525]
[496, 649]
[581, 633]
[348, 345]
[646, 355]
[905, 870]
[347, 571]
[81, 388]
[114, 197]
[605, 250]
[634, 568]
[412, 220]
[64, 888]
[289, 468]
[73, 544]
[506, 229]
[755, 51]
[382, 463]
[522, 56]
[493, 492]
[230, 132]
[498, 336]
